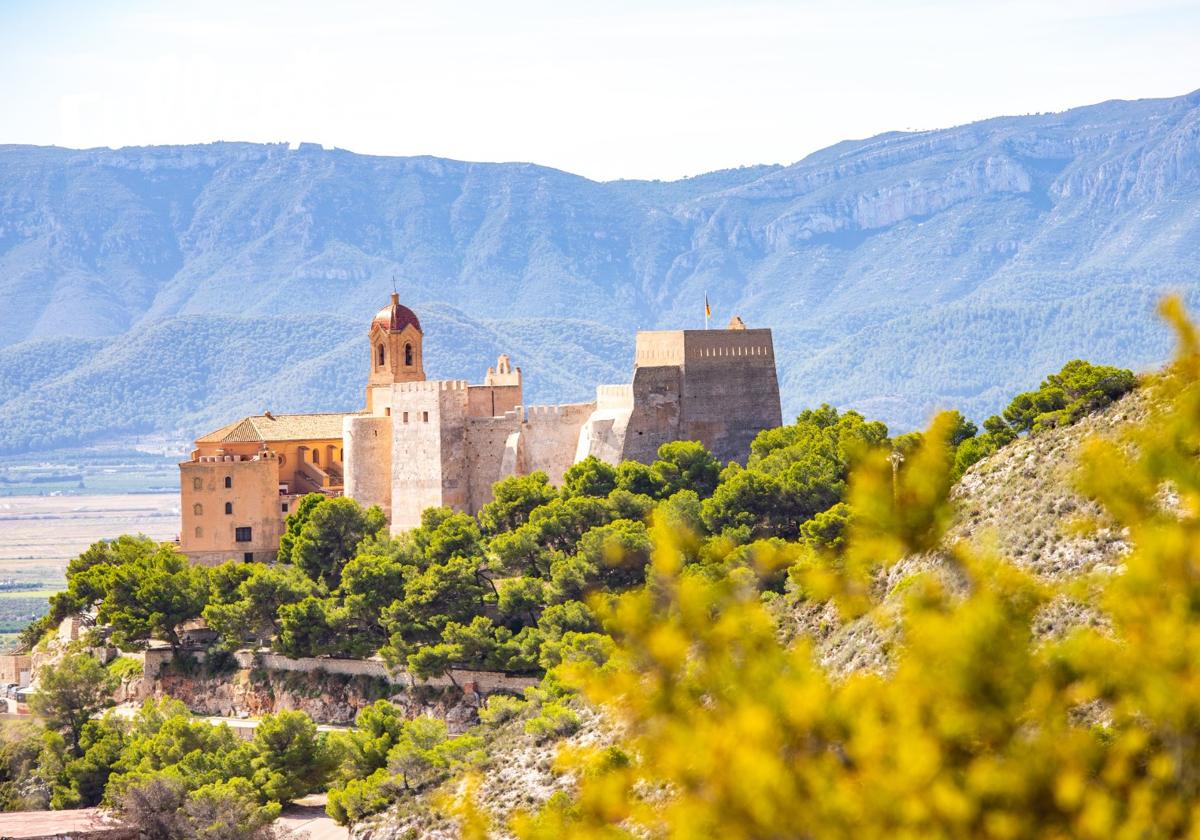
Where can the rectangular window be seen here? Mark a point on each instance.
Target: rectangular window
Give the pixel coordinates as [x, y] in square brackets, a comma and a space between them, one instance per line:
[248, 557]
[241, 534]
[387, 412]
[285, 507]
[425, 416]
[406, 417]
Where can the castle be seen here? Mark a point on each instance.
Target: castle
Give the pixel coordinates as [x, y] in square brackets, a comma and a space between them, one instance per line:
[422, 443]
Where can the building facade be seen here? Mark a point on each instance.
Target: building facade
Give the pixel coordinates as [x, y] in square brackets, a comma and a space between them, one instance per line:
[242, 481]
[422, 443]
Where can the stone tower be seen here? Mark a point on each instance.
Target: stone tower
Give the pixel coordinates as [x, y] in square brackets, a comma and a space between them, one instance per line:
[395, 339]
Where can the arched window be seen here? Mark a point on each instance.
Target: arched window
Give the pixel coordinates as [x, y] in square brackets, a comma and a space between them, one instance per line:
[408, 355]
[197, 483]
[229, 507]
[316, 457]
[198, 509]
[199, 532]
[228, 482]
[380, 352]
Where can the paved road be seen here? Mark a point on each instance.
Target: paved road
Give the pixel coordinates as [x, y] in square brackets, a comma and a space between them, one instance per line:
[22, 824]
[307, 818]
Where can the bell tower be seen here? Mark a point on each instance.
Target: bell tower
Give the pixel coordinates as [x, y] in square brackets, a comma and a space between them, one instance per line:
[395, 340]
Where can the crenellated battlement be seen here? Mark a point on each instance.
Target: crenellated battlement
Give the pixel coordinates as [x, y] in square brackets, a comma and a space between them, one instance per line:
[262, 455]
[614, 396]
[446, 442]
[508, 419]
[534, 413]
[431, 385]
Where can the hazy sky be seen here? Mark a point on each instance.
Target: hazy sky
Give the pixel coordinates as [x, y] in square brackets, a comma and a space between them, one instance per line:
[608, 89]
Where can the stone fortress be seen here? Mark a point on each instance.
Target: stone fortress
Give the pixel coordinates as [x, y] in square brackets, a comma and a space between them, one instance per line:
[423, 443]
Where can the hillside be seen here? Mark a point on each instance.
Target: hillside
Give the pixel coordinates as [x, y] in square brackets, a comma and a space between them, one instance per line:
[900, 273]
[1021, 501]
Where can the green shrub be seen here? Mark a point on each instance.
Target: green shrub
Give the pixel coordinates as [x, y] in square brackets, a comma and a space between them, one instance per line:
[125, 668]
[360, 798]
[554, 720]
[501, 708]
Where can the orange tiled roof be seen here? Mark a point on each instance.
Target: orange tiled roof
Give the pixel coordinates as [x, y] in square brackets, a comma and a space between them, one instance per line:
[260, 428]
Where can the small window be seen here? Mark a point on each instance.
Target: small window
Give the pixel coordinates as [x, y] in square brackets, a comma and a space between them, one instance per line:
[198, 509]
[228, 482]
[285, 504]
[406, 417]
[380, 355]
[197, 484]
[316, 457]
[199, 532]
[387, 412]
[248, 557]
[424, 416]
[241, 534]
[229, 507]
[408, 355]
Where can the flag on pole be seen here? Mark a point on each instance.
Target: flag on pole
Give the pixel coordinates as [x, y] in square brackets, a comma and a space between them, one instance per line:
[707, 310]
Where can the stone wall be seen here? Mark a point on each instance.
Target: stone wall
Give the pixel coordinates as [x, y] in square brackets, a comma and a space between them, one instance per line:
[156, 659]
[428, 449]
[492, 400]
[487, 439]
[331, 691]
[655, 418]
[551, 437]
[730, 390]
[603, 435]
[484, 681]
[659, 348]
[368, 461]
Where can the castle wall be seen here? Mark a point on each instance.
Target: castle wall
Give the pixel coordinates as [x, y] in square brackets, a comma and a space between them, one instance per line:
[550, 435]
[730, 390]
[659, 348]
[492, 400]
[368, 461]
[655, 417]
[487, 438]
[429, 456]
[603, 434]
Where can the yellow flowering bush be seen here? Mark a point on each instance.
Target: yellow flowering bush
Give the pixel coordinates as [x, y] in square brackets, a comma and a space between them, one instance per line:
[978, 728]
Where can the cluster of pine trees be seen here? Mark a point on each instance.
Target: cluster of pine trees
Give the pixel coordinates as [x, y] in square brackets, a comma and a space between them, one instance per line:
[662, 572]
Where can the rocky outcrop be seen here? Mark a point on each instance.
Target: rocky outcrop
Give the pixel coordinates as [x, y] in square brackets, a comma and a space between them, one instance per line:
[332, 699]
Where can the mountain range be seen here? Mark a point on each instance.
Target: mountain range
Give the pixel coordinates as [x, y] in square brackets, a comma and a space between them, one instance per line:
[169, 289]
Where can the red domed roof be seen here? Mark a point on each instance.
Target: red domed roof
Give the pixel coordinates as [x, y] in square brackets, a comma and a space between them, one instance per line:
[395, 316]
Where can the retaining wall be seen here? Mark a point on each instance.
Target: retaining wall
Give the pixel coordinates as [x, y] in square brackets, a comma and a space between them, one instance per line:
[484, 681]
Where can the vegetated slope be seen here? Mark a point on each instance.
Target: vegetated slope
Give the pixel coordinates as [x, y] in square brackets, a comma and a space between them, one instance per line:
[1019, 502]
[900, 273]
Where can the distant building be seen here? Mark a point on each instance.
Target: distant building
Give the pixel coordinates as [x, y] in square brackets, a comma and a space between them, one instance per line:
[424, 443]
[243, 479]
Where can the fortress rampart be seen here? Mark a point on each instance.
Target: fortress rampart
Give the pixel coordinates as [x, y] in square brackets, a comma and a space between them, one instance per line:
[423, 443]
